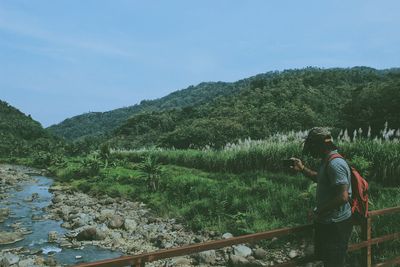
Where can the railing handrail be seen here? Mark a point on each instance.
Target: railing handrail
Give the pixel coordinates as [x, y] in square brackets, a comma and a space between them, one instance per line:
[141, 259]
[374, 213]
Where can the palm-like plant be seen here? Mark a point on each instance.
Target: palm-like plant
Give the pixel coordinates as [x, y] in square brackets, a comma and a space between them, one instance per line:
[152, 171]
[105, 153]
[91, 165]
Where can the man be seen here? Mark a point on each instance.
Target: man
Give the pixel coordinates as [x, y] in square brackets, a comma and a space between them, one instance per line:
[333, 223]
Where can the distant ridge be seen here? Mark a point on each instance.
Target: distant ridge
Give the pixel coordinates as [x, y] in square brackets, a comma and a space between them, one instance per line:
[215, 113]
[99, 123]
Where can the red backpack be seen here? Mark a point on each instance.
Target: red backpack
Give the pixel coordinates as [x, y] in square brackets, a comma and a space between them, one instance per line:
[359, 187]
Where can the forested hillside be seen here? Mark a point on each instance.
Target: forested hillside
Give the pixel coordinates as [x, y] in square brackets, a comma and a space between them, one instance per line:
[99, 123]
[270, 103]
[19, 134]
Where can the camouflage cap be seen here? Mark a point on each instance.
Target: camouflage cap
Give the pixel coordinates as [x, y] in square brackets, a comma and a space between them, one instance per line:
[319, 134]
[318, 139]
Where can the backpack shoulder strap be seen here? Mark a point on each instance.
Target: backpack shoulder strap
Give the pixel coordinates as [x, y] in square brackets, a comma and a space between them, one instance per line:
[335, 156]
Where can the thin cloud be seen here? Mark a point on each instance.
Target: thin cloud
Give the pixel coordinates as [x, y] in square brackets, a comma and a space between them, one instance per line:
[56, 53]
[25, 26]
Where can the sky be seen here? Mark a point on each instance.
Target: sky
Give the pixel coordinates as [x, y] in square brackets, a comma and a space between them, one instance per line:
[63, 58]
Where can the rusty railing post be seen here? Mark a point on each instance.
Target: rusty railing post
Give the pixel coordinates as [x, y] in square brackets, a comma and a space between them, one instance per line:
[366, 229]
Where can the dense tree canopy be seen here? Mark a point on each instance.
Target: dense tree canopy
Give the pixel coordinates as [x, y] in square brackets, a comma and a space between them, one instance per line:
[102, 123]
[270, 103]
[20, 134]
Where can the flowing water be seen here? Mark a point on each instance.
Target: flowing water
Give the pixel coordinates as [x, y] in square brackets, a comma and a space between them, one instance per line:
[22, 212]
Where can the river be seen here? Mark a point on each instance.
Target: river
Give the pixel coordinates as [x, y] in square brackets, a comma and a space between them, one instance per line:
[36, 239]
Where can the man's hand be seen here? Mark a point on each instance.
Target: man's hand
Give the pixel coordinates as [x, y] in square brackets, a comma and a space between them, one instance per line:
[297, 165]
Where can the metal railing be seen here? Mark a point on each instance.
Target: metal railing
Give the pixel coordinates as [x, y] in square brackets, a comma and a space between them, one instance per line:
[365, 246]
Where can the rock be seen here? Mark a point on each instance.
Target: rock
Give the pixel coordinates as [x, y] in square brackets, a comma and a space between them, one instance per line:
[39, 261]
[227, 235]
[28, 199]
[35, 196]
[90, 234]
[108, 201]
[4, 263]
[260, 253]
[57, 199]
[177, 227]
[105, 215]
[254, 262]
[4, 213]
[26, 263]
[35, 251]
[182, 262]
[208, 256]
[10, 237]
[9, 259]
[116, 222]
[24, 231]
[16, 225]
[64, 212]
[115, 235]
[66, 225]
[75, 209]
[242, 250]
[52, 236]
[236, 260]
[80, 219]
[65, 243]
[157, 241]
[211, 234]
[130, 225]
[36, 217]
[293, 254]
[167, 245]
[50, 261]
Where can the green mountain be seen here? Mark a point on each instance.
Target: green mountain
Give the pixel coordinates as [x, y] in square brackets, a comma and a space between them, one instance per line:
[270, 103]
[18, 133]
[100, 123]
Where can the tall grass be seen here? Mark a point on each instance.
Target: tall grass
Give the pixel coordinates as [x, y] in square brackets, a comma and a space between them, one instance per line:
[377, 160]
